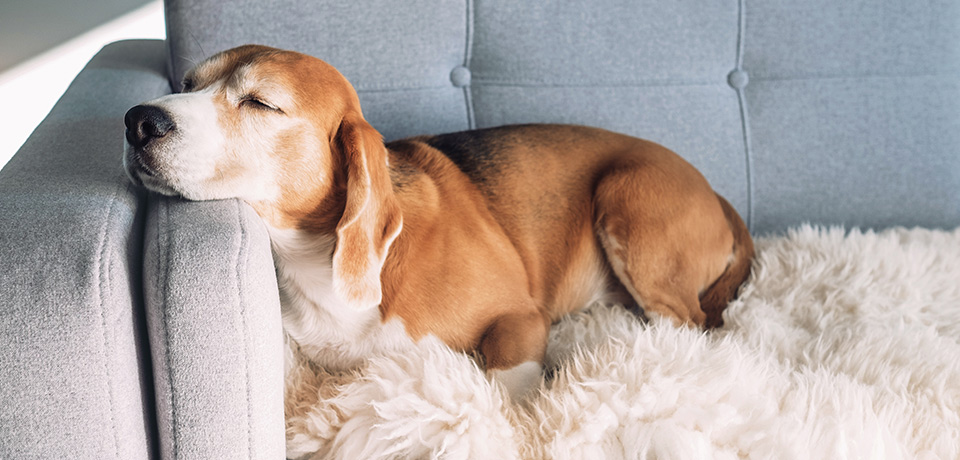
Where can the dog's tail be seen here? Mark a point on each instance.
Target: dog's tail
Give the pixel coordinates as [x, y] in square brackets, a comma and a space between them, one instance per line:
[715, 299]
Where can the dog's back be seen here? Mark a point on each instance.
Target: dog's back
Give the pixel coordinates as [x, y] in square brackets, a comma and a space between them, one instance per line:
[541, 182]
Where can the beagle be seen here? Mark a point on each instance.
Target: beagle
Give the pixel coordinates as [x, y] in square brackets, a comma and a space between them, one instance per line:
[480, 238]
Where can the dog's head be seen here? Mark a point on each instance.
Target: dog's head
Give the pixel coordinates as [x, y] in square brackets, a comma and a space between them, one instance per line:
[284, 132]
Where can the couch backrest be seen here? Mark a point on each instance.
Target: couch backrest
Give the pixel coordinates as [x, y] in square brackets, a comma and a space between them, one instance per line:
[823, 111]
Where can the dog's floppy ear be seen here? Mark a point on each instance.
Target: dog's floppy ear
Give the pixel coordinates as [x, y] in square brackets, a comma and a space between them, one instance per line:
[371, 217]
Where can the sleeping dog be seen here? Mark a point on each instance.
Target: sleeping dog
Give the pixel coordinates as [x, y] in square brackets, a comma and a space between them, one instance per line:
[480, 238]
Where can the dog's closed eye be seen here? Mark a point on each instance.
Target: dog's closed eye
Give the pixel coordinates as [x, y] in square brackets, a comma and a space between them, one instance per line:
[256, 102]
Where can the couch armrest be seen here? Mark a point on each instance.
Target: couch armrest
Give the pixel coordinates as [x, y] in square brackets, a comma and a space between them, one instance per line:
[75, 378]
[214, 317]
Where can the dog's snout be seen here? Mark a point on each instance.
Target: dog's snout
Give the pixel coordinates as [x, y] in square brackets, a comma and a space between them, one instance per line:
[145, 123]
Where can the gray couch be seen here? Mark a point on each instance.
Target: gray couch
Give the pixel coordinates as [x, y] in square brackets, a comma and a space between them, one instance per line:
[136, 326]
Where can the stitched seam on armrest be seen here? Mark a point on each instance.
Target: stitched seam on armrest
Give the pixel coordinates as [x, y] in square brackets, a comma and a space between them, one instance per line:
[103, 275]
[243, 256]
[163, 217]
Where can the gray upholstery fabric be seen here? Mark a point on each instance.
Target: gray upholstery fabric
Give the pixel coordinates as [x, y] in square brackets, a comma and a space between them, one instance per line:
[854, 112]
[819, 111]
[408, 49]
[214, 317]
[589, 63]
[74, 367]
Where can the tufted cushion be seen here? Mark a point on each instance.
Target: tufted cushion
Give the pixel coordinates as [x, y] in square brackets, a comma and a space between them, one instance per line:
[829, 112]
[854, 111]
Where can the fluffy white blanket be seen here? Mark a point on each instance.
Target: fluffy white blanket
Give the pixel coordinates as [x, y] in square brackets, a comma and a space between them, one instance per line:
[841, 345]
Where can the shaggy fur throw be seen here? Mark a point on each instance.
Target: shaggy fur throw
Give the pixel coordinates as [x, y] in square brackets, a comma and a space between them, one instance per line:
[841, 345]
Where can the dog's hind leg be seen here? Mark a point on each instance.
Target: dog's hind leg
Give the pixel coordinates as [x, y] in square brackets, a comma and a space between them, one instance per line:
[664, 234]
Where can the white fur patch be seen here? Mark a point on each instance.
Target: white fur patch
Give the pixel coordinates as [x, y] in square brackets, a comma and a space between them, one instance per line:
[518, 380]
[189, 155]
[840, 346]
[330, 332]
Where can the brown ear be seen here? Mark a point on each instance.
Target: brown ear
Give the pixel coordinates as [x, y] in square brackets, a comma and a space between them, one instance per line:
[371, 218]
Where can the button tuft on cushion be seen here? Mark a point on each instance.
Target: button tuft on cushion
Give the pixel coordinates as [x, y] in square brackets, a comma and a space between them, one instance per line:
[738, 78]
[460, 76]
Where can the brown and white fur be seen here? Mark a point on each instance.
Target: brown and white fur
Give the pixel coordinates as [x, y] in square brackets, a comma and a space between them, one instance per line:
[480, 238]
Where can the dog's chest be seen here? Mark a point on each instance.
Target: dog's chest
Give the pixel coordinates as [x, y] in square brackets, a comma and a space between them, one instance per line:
[329, 332]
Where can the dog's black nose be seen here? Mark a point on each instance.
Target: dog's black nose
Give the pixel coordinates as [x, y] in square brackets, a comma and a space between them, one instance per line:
[145, 123]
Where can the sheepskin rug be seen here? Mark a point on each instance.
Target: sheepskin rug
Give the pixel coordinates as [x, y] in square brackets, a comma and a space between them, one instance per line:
[841, 345]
